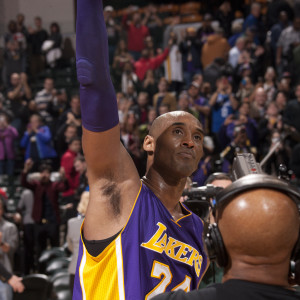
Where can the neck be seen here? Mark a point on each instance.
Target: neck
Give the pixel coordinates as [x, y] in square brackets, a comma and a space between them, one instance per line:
[276, 274]
[167, 189]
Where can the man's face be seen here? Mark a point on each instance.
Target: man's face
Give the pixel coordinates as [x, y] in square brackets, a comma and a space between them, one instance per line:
[45, 176]
[183, 103]
[162, 86]
[142, 100]
[179, 148]
[296, 24]
[35, 122]
[260, 97]
[193, 91]
[255, 11]
[70, 133]
[75, 104]
[15, 79]
[80, 166]
[38, 22]
[48, 84]
[75, 146]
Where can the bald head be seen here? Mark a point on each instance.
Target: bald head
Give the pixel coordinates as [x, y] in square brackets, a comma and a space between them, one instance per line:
[260, 228]
[162, 122]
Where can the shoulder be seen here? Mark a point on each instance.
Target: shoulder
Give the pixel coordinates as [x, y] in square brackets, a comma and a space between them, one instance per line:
[8, 225]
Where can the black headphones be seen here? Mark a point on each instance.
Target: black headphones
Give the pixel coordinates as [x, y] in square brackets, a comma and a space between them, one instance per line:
[213, 240]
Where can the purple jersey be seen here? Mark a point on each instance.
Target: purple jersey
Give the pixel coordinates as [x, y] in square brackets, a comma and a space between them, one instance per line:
[152, 254]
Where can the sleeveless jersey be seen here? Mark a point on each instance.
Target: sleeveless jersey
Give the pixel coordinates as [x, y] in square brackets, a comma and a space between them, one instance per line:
[151, 255]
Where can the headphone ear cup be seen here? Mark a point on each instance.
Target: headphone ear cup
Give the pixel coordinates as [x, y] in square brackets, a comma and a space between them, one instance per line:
[215, 246]
[295, 263]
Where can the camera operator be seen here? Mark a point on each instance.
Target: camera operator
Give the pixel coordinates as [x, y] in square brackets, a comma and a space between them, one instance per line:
[240, 144]
[259, 226]
[214, 273]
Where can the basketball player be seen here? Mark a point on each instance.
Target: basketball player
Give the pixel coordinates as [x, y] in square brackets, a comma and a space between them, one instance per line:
[259, 228]
[137, 239]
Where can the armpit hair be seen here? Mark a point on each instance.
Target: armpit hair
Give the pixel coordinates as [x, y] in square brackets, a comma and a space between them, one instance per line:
[112, 192]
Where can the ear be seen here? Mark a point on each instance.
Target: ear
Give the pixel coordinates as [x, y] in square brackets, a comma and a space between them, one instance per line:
[149, 144]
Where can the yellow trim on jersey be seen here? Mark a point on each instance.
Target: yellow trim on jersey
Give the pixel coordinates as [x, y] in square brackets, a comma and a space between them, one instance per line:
[102, 277]
[189, 213]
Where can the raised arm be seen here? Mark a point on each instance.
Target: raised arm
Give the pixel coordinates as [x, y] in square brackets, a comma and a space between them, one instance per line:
[113, 178]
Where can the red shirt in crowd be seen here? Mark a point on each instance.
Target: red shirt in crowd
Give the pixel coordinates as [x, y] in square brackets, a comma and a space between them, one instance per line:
[67, 162]
[52, 190]
[135, 35]
[145, 64]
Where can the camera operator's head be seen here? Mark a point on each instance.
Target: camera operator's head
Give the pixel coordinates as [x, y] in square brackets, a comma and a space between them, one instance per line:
[260, 228]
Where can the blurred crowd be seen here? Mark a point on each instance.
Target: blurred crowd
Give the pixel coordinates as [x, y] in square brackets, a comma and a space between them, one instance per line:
[235, 67]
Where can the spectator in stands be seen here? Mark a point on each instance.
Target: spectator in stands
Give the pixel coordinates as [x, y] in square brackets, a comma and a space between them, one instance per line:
[121, 57]
[235, 52]
[72, 115]
[67, 163]
[154, 23]
[81, 167]
[149, 45]
[269, 84]
[25, 207]
[145, 62]
[222, 103]
[8, 135]
[240, 144]
[129, 78]
[283, 23]
[206, 29]
[241, 117]
[36, 39]
[149, 85]
[74, 225]
[45, 208]
[113, 31]
[37, 141]
[64, 136]
[289, 37]
[163, 109]
[281, 101]
[20, 24]
[199, 103]
[292, 111]
[190, 49]
[164, 97]
[136, 33]
[173, 65]
[14, 60]
[245, 89]
[225, 16]
[141, 109]
[46, 99]
[184, 104]
[258, 106]
[19, 94]
[216, 46]
[9, 241]
[12, 30]
[237, 31]
[131, 139]
[253, 21]
[213, 72]
[53, 47]
[205, 165]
